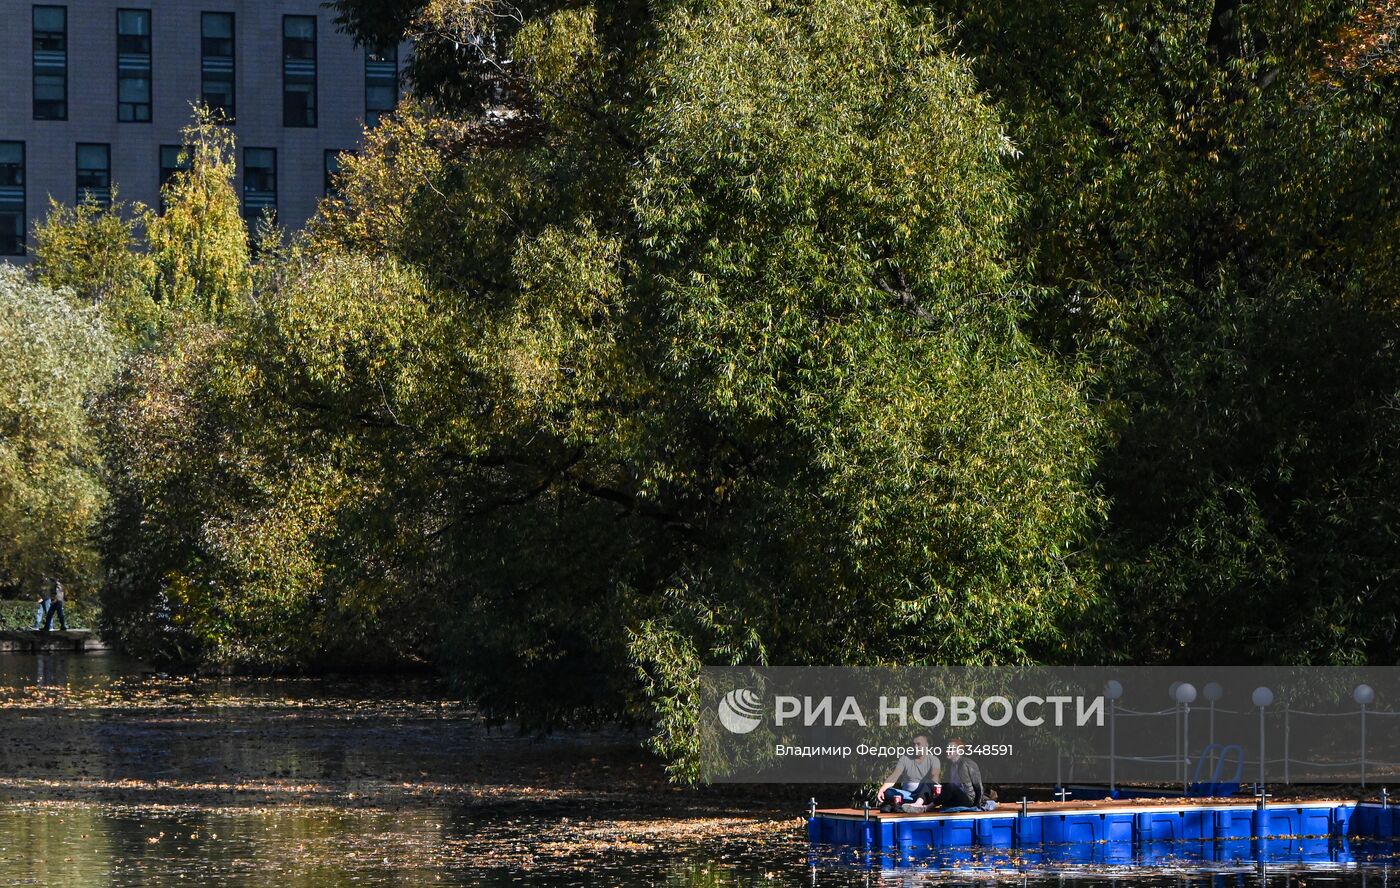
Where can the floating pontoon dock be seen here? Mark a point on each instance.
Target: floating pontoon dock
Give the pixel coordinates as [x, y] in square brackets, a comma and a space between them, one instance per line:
[1044, 826]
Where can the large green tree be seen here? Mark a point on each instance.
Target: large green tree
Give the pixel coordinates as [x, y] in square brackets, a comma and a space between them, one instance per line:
[1211, 207]
[54, 355]
[658, 335]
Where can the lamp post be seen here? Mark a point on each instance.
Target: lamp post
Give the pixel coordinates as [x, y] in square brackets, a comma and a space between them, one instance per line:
[1262, 697]
[1287, 743]
[1185, 695]
[1113, 690]
[1176, 725]
[1212, 692]
[1365, 695]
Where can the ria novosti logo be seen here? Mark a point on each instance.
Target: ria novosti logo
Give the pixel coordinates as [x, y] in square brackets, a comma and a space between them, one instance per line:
[740, 711]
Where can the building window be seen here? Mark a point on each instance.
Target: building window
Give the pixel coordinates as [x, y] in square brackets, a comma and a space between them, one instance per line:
[298, 70]
[50, 63]
[173, 159]
[12, 216]
[259, 184]
[381, 83]
[95, 173]
[216, 62]
[333, 159]
[134, 65]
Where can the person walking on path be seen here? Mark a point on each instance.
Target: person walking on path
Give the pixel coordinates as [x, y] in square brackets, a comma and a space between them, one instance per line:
[42, 613]
[56, 607]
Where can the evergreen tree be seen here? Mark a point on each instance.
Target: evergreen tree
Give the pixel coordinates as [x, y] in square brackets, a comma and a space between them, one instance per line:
[198, 241]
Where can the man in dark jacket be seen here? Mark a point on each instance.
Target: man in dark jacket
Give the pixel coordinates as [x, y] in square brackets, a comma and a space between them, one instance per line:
[56, 608]
[962, 781]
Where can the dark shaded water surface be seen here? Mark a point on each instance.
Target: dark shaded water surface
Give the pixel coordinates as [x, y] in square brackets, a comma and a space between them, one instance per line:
[111, 775]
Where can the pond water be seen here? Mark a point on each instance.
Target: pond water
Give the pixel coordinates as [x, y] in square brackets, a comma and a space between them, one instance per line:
[111, 775]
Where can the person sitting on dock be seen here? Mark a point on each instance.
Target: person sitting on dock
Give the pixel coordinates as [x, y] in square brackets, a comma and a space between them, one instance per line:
[963, 788]
[915, 776]
[55, 607]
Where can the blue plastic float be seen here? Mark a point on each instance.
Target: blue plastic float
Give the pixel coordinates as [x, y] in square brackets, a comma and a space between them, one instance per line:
[1073, 831]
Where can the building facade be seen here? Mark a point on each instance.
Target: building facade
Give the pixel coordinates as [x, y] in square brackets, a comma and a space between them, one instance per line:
[94, 95]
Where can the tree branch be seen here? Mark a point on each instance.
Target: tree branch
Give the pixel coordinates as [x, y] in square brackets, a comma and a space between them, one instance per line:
[906, 300]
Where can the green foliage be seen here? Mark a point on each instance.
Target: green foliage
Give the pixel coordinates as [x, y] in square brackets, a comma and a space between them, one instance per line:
[163, 296]
[94, 250]
[142, 266]
[832, 267]
[90, 249]
[656, 335]
[54, 355]
[226, 539]
[198, 242]
[1212, 212]
[707, 350]
[460, 47]
[20, 614]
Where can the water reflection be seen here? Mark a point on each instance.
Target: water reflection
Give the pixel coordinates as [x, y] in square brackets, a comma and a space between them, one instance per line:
[52, 669]
[82, 845]
[111, 775]
[57, 668]
[1243, 862]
